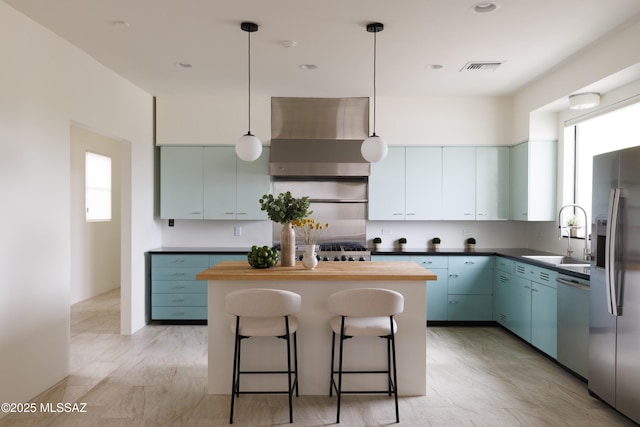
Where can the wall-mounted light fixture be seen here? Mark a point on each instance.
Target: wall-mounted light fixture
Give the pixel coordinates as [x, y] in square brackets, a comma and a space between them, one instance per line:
[374, 149]
[583, 101]
[249, 147]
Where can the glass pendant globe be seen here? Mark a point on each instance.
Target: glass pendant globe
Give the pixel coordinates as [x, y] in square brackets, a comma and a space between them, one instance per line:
[374, 149]
[248, 148]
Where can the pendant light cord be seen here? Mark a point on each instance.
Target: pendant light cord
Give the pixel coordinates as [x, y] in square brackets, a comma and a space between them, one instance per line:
[375, 38]
[249, 83]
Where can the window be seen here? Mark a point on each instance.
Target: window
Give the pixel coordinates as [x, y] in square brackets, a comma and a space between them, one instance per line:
[609, 132]
[98, 187]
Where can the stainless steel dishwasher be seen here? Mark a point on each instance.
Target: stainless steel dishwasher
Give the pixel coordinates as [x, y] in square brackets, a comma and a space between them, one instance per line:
[573, 324]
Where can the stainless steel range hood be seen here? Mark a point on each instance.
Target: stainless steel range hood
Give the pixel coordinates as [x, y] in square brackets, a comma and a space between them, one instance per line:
[318, 137]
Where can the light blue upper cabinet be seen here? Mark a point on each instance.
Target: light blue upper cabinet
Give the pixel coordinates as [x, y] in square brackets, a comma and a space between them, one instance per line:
[492, 183]
[423, 180]
[211, 183]
[253, 182]
[219, 183]
[181, 183]
[533, 173]
[407, 185]
[387, 187]
[232, 187]
[459, 183]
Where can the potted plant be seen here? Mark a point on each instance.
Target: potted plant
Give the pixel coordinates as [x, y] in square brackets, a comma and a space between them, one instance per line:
[377, 241]
[573, 223]
[471, 243]
[402, 242]
[435, 242]
[283, 209]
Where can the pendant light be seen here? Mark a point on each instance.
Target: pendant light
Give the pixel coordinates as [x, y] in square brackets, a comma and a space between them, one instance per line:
[249, 147]
[374, 149]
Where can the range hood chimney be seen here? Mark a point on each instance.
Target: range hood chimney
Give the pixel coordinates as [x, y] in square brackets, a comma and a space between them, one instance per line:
[318, 137]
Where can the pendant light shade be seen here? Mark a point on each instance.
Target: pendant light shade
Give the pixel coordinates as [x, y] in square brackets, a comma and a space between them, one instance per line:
[374, 149]
[249, 147]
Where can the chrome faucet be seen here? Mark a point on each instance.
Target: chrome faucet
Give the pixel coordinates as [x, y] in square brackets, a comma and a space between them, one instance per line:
[586, 253]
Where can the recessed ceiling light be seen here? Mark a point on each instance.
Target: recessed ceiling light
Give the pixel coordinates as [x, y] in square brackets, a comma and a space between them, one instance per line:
[119, 24]
[308, 66]
[183, 65]
[485, 7]
[289, 43]
[434, 66]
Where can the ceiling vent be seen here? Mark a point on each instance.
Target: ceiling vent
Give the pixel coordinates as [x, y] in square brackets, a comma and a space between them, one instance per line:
[481, 66]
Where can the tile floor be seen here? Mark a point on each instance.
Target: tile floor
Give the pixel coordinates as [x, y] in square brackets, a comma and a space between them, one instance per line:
[476, 376]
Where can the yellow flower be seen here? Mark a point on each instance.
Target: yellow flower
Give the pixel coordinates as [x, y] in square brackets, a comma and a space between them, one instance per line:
[309, 229]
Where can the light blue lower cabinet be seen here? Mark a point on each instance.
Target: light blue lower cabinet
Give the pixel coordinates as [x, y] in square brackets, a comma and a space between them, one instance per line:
[470, 288]
[469, 307]
[437, 295]
[436, 290]
[176, 295]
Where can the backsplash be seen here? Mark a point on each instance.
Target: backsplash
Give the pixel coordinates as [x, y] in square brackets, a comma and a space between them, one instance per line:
[490, 234]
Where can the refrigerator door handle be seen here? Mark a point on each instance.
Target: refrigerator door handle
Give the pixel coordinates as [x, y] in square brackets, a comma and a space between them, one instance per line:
[610, 252]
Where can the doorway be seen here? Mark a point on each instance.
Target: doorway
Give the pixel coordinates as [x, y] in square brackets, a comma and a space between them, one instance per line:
[95, 245]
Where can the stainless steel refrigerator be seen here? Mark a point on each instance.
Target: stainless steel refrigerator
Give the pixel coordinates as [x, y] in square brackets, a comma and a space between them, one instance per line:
[614, 316]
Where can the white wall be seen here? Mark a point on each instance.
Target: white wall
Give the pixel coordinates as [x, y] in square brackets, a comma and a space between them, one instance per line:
[437, 120]
[613, 53]
[95, 245]
[46, 84]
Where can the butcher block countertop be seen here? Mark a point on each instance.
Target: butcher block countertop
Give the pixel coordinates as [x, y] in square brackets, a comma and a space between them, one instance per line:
[327, 270]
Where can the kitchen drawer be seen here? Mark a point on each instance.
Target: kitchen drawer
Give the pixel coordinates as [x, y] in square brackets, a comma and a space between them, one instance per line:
[470, 308]
[180, 273]
[179, 313]
[177, 260]
[476, 282]
[469, 262]
[430, 262]
[178, 286]
[505, 264]
[179, 300]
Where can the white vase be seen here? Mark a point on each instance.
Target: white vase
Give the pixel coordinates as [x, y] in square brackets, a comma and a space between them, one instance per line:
[309, 259]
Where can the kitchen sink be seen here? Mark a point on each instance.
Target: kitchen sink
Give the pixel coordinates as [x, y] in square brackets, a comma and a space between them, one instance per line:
[557, 260]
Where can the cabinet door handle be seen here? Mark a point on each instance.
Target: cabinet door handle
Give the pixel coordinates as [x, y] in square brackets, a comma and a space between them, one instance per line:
[229, 213]
[178, 287]
[177, 261]
[178, 274]
[242, 213]
[534, 290]
[178, 313]
[427, 262]
[453, 302]
[177, 300]
[194, 213]
[410, 213]
[454, 275]
[467, 214]
[527, 287]
[469, 262]
[398, 213]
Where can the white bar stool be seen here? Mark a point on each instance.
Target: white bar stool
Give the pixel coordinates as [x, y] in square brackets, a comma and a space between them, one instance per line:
[365, 312]
[264, 313]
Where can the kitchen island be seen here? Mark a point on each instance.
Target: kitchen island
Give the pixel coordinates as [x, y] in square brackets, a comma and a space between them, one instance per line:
[314, 333]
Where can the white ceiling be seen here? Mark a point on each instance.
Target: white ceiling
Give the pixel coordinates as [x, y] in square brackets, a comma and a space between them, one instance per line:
[531, 37]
